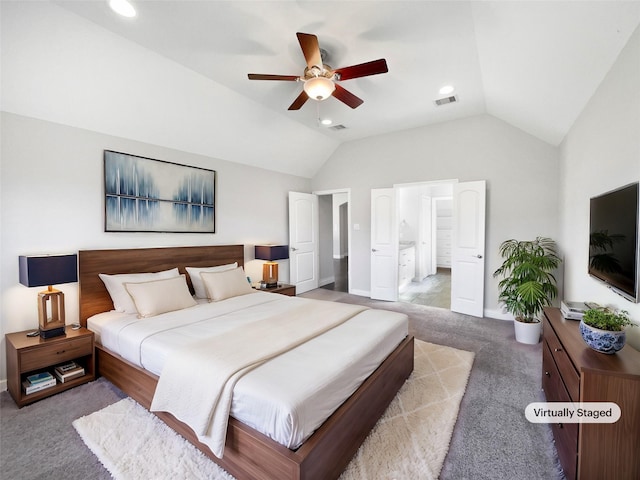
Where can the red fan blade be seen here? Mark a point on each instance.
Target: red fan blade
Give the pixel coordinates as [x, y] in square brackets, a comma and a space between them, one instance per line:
[347, 97]
[310, 49]
[259, 76]
[364, 69]
[298, 102]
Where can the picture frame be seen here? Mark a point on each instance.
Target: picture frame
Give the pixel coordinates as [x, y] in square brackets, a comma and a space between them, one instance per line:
[148, 195]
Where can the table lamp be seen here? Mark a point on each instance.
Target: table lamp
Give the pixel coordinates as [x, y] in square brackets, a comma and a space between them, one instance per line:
[270, 268]
[40, 270]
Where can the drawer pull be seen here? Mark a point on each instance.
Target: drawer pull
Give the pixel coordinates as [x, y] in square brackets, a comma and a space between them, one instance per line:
[547, 374]
[61, 352]
[560, 425]
[557, 349]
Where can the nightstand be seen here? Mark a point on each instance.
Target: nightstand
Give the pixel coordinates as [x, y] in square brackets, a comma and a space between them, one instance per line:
[27, 355]
[282, 289]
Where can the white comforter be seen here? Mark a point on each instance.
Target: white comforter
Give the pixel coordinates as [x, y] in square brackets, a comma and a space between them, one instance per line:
[286, 398]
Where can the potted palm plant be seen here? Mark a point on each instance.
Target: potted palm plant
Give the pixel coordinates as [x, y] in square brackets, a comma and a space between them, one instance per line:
[603, 329]
[528, 283]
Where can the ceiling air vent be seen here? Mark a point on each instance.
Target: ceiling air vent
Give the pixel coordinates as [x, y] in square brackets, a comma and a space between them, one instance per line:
[443, 101]
[337, 127]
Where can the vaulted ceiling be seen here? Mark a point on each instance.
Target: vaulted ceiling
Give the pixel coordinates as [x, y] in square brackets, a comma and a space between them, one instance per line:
[532, 64]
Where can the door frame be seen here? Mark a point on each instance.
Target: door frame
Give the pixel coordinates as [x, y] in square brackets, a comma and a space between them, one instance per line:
[429, 183]
[331, 192]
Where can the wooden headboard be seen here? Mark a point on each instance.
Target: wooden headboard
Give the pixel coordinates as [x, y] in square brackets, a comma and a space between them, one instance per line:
[93, 295]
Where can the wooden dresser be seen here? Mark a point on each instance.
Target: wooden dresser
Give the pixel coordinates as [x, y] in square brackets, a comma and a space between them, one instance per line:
[573, 372]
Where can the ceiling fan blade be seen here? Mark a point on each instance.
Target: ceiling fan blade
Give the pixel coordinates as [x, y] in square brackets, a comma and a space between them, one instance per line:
[310, 49]
[298, 102]
[347, 97]
[364, 69]
[260, 76]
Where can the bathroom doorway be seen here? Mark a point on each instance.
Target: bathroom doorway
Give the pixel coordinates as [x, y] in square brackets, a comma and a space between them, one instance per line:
[425, 215]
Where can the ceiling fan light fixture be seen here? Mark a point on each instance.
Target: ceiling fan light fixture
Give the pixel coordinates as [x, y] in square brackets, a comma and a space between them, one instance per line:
[319, 88]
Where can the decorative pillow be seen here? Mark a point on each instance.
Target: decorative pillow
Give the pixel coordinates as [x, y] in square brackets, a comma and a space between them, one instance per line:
[160, 296]
[227, 284]
[122, 301]
[196, 280]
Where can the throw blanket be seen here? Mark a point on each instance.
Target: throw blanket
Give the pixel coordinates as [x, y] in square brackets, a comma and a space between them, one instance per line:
[196, 383]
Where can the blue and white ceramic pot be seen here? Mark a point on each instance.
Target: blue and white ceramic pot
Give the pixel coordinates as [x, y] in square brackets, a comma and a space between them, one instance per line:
[603, 341]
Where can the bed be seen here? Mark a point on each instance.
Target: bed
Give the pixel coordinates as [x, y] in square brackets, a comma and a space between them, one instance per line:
[248, 453]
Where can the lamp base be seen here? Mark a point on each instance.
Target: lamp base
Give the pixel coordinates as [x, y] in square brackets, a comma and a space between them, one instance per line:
[51, 301]
[53, 332]
[270, 274]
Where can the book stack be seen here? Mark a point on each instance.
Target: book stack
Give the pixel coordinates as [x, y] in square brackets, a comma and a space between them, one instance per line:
[38, 381]
[68, 371]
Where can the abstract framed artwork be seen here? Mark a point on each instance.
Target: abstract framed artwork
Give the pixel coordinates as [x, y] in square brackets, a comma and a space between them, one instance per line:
[147, 195]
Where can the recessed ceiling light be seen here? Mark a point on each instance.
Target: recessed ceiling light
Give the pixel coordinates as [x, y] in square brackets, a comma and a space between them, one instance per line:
[122, 7]
[446, 90]
[326, 121]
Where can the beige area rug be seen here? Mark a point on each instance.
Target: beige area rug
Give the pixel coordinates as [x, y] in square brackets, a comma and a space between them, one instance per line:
[410, 441]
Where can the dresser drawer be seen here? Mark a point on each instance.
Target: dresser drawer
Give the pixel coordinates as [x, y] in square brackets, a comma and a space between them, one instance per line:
[569, 374]
[59, 352]
[565, 434]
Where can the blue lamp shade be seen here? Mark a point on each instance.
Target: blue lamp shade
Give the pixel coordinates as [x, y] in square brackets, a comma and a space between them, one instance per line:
[270, 268]
[271, 252]
[39, 270]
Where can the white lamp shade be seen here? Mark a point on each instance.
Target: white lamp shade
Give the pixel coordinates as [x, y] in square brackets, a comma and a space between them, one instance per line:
[319, 88]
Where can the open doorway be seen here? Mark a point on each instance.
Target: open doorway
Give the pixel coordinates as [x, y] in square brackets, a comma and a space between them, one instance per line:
[425, 216]
[333, 211]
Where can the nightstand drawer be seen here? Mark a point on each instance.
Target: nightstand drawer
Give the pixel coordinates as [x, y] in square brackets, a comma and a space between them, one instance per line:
[33, 354]
[59, 352]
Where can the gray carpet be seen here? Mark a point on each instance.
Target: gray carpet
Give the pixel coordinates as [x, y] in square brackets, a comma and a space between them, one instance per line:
[491, 440]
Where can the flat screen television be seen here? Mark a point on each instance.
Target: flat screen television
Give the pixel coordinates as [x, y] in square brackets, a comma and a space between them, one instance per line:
[614, 243]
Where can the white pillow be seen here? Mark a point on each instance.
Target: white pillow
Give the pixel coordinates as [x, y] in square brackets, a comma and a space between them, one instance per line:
[196, 280]
[227, 284]
[160, 296]
[122, 301]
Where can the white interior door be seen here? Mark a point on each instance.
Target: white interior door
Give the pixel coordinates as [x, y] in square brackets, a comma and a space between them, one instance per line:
[384, 245]
[467, 256]
[303, 241]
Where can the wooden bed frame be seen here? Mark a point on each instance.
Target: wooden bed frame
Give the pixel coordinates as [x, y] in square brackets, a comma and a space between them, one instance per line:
[248, 454]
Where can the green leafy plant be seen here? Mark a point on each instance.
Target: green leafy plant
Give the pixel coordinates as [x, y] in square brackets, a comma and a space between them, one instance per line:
[528, 284]
[607, 319]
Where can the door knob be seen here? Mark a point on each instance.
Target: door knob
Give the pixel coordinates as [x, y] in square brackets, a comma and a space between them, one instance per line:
[374, 250]
[479, 256]
[293, 249]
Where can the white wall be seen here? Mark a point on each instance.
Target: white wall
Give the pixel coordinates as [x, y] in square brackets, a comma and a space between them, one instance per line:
[52, 201]
[522, 176]
[601, 152]
[59, 67]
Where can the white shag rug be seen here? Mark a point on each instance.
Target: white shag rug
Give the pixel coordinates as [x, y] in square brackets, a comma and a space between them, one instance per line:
[410, 441]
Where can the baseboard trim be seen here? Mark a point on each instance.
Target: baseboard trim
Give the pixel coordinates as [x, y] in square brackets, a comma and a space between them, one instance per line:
[497, 314]
[361, 293]
[326, 281]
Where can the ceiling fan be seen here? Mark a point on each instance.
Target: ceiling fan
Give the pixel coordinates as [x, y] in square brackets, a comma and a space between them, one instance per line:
[320, 80]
